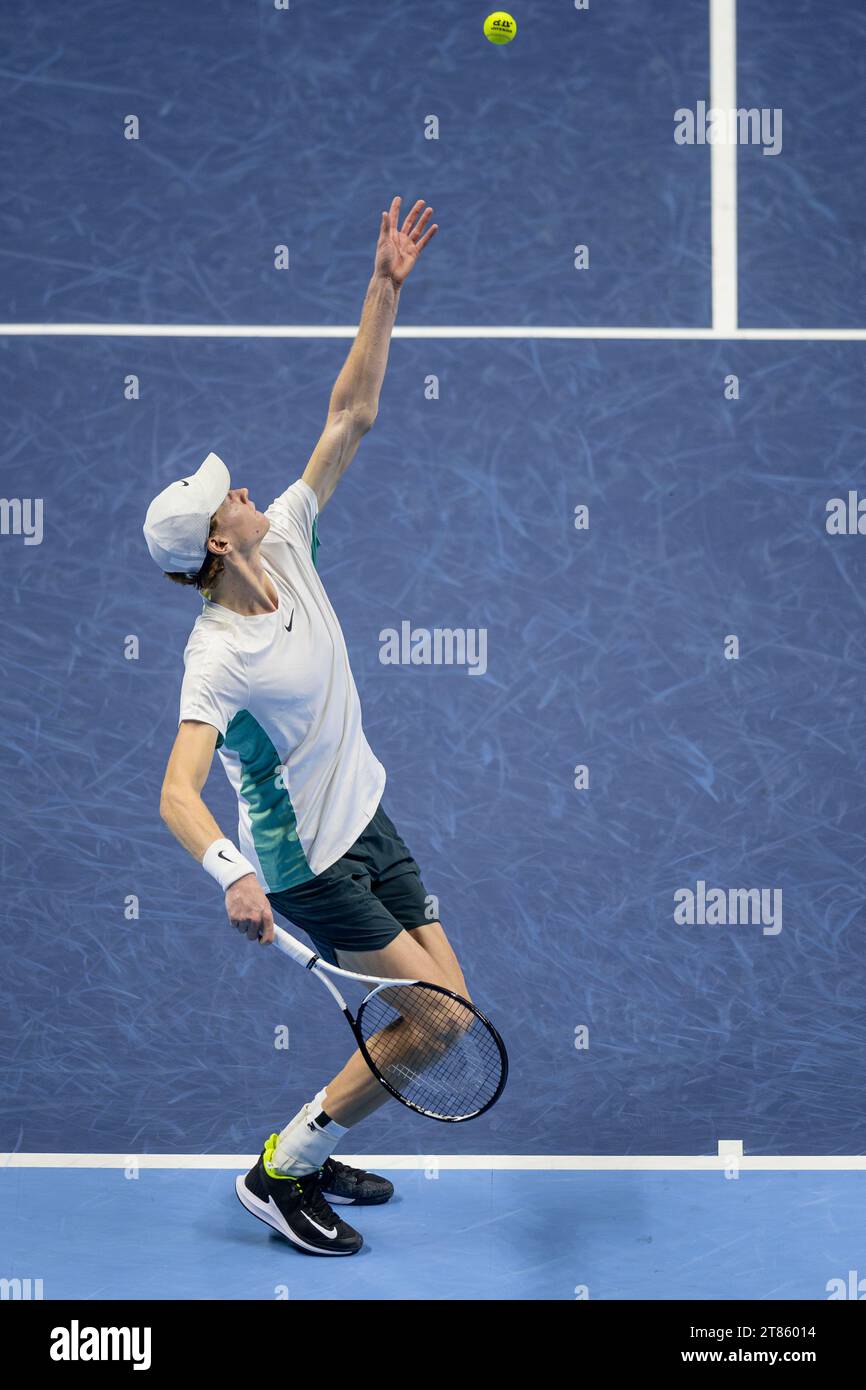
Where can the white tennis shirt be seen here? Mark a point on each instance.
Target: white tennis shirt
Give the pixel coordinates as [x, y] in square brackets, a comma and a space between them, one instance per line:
[279, 690]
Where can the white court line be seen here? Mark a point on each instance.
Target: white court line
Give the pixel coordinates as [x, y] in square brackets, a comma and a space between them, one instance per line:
[546, 1163]
[723, 166]
[264, 330]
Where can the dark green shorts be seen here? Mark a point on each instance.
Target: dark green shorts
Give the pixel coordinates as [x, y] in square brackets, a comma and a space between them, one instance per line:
[364, 900]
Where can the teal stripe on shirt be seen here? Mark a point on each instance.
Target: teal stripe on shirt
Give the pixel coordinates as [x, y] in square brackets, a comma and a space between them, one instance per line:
[272, 816]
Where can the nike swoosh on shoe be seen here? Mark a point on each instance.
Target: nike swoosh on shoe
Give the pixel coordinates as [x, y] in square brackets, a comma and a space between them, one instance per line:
[330, 1235]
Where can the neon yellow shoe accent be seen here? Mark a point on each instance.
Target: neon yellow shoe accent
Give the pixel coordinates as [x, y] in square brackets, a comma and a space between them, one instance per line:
[267, 1155]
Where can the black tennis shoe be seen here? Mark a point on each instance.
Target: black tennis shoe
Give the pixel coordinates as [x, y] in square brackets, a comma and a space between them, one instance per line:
[295, 1208]
[347, 1186]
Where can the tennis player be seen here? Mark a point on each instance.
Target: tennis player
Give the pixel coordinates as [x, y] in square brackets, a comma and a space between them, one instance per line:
[268, 685]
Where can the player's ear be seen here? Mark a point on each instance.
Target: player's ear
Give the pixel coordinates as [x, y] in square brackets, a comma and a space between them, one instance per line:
[217, 544]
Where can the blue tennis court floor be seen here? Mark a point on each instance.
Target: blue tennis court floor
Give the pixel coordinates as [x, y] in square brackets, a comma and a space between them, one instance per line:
[478, 1234]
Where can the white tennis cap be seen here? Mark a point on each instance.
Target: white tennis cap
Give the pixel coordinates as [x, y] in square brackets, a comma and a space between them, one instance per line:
[178, 520]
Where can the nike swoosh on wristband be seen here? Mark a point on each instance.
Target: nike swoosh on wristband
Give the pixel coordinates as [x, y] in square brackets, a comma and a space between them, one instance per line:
[331, 1235]
[221, 854]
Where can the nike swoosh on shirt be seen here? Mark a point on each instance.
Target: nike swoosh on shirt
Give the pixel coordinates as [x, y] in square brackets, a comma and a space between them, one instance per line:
[288, 625]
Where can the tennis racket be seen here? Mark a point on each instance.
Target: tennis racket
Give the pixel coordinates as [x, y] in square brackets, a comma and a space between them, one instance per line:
[430, 1048]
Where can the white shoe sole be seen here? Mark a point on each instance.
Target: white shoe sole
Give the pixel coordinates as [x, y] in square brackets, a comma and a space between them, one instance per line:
[334, 1201]
[273, 1217]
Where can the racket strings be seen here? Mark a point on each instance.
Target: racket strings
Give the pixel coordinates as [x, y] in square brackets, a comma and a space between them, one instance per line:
[436, 1051]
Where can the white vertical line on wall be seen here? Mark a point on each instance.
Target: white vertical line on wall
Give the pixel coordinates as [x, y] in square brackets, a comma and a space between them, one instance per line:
[723, 166]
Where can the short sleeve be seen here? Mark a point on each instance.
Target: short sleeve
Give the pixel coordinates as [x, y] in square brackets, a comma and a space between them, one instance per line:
[214, 685]
[294, 516]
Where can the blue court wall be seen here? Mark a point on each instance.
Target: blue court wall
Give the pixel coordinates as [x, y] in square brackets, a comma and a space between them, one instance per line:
[605, 646]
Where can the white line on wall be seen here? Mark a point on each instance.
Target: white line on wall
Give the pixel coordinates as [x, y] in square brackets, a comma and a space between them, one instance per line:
[723, 166]
[264, 330]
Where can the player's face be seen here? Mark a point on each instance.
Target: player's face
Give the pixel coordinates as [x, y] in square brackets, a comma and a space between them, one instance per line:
[239, 522]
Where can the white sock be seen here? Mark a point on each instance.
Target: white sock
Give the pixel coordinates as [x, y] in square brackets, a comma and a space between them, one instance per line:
[307, 1140]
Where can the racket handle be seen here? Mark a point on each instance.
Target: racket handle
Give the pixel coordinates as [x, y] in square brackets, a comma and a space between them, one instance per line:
[291, 947]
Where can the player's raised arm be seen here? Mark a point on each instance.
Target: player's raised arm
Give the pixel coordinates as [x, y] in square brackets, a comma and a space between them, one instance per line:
[355, 397]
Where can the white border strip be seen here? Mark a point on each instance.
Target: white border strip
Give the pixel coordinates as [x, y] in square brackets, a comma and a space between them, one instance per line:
[723, 166]
[265, 330]
[545, 1163]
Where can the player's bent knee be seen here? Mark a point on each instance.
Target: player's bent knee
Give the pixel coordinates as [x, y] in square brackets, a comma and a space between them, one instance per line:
[438, 949]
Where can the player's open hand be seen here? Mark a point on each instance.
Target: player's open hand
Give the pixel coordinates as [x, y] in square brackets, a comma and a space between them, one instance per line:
[398, 249]
[249, 910]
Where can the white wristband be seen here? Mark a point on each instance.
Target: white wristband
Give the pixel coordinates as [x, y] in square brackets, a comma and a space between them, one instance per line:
[225, 863]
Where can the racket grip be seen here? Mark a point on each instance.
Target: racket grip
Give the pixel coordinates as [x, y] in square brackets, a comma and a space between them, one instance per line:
[291, 947]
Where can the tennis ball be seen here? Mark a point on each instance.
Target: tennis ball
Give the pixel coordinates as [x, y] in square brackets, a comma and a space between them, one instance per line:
[499, 27]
